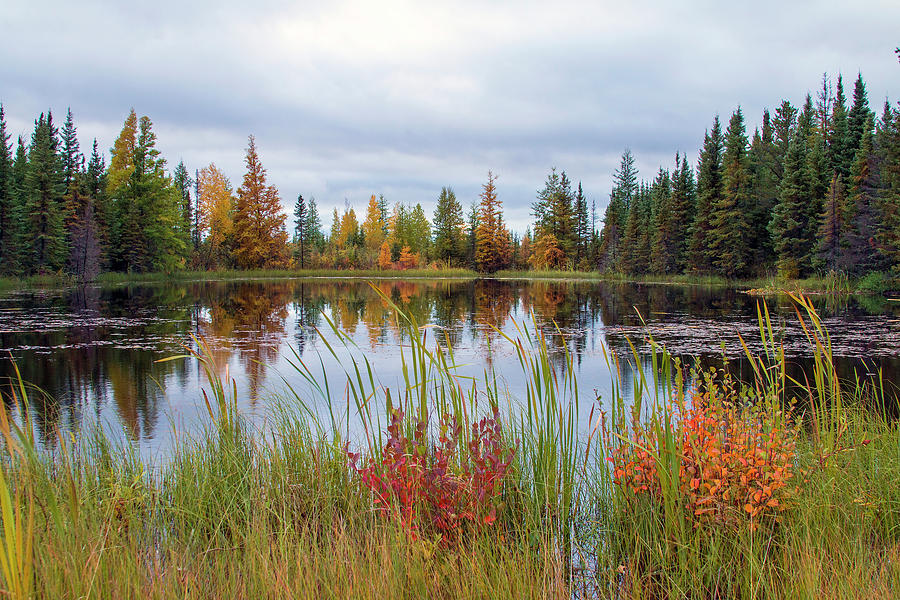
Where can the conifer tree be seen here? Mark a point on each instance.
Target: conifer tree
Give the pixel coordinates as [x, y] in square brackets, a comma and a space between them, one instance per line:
[314, 227]
[664, 251]
[183, 182]
[16, 255]
[301, 251]
[45, 243]
[260, 234]
[6, 196]
[95, 188]
[709, 191]
[472, 234]
[635, 246]
[70, 154]
[859, 114]
[764, 191]
[582, 228]
[449, 244]
[838, 154]
[831, 225]
[728, 236]
[889, 213]
[859, 250]
[492, 250]
[625, 187]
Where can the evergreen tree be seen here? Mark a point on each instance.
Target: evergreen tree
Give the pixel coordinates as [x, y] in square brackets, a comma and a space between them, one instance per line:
[554, 212]
[625, 188]
[635, 246]
[764, 191]
[831, 225]
[45, 243]
[709, 191]
[859, 114]
[301, 254]
[859, 249]
[888, 142]
[16, 256]
[664, 253]
[582, 228]
[70, 154]
[449, 244]
[472, 234]
[314, 227]
[260, 235]
[795, 218]
[183, 183]
[838, 154]
[728, 236]
[6, 196]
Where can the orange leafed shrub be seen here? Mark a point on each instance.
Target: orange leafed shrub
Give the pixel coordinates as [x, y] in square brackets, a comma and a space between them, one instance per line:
[736, 460]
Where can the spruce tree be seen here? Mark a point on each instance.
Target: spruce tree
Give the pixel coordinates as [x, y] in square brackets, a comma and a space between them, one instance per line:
[582, 227]
[709, 191]
[44, 203]
[448, 228]
[664, 254]
[635, 247]
[838, 155]
[6, 195]
[70, 154]
[615, 218]
[888, 148]
[859, 114]
[859, 250]
[729, 234]
[764, 191]
[831, 225]
[183, 183]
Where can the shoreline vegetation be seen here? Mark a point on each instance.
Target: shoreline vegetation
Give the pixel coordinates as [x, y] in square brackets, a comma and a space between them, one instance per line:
[704, 487]
[874, 283]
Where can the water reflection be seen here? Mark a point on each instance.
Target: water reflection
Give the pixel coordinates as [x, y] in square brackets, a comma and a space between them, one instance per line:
[93, 351]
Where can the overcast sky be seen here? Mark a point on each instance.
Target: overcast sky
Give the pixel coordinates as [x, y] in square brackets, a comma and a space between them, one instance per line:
[347, 99]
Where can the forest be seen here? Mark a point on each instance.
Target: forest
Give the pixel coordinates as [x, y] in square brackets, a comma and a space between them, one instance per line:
[814, 190]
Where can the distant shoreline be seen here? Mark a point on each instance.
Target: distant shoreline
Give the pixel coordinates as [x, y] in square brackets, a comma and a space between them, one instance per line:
[872, 284]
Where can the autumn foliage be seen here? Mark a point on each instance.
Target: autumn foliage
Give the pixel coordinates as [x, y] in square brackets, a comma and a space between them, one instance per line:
[259, 229]
[448, 488]
[735, 460]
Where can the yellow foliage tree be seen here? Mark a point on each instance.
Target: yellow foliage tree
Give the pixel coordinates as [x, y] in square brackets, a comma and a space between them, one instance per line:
[373, 227]
[216, 208]
[546, 253]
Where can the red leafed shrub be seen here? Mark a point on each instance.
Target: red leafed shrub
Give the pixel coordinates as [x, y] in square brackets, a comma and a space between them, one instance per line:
[445, 487]
[736, 460]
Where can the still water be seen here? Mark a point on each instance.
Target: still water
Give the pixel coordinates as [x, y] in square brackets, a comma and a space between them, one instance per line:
[93, 351]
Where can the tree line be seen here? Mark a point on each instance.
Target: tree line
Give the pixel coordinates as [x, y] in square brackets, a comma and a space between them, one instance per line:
[815, 189]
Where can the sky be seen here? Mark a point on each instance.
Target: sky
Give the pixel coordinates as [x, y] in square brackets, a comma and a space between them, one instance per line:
[401, 98]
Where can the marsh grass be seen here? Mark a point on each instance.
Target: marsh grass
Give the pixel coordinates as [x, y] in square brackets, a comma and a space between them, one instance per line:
[239, 512]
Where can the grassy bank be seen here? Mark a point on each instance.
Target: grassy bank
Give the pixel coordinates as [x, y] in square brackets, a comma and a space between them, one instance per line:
[703, 487]
[875, 283]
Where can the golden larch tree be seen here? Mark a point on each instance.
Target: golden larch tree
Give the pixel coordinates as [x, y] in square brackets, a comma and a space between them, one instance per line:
[492, 248]
[259, 234]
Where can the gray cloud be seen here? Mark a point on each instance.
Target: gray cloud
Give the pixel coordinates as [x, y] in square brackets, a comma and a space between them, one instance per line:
[352, 98]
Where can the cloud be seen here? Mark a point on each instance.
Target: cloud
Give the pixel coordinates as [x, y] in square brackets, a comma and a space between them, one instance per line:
[399, 97]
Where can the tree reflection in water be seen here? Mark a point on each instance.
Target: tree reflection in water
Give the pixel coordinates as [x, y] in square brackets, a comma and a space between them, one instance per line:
[94, 350]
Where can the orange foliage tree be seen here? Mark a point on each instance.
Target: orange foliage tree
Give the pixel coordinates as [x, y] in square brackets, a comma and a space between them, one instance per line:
[260, 236]
[384, 256]
[492, 248]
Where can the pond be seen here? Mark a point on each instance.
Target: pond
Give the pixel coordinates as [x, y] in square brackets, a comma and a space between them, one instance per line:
[93, 351]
